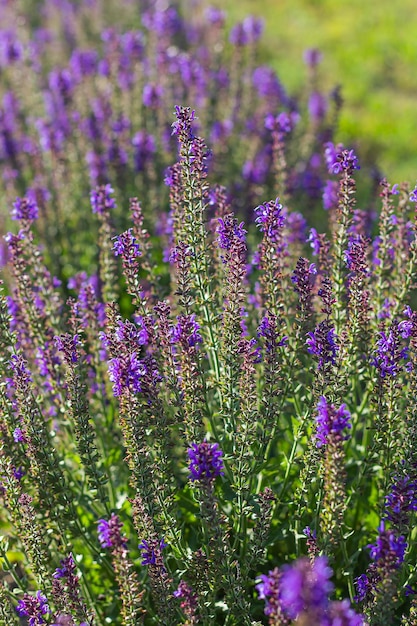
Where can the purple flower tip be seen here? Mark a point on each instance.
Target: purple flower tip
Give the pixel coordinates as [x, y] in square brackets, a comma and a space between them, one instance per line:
[330, 421]
[25, 209]
[101, 199]
[151, 551]
[205, 461]
[33, 607]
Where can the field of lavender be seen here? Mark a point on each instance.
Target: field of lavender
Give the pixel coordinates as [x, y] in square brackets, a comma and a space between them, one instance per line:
[208, 342]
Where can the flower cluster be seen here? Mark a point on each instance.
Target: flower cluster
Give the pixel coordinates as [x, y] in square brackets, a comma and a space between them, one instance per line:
[390, 352]
[186, 332]
[35, 608]
[109, 532]
[151, 551]
[330, 421]
[25, 209]
[181, 358]
[388, 547]
[401, 500]
[101, 199]
[301, 592]
[205, 461]
[270, 219]
[322, 342]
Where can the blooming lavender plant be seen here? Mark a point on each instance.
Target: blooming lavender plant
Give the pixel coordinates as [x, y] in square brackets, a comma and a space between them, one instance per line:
[183, 390]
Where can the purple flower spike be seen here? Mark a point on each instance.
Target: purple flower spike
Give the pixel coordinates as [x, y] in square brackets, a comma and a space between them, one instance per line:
[312, 57]
[18, 473]
[323, 344]
[67, 568]
[68, 345]
[228, 230]
[109, 532]
[33, 607]
[186, 332]
[25, 209]
[363, 587]
[270, 219]
[182, 127]
[126, 246]
[388, 548]
[330, 194]
[189, 600]
[330, 421]
[126, 373]
[341, 614]
[205, 461]
[305, 587]
[247, 32]
[18, 435]
[268, 590]
[401, 500]
[101, 199]
[389, 351]
[150, 553]
[346, 161]
[413, 195]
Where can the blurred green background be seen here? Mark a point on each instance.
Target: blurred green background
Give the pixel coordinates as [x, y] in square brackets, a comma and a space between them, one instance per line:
[370, 48]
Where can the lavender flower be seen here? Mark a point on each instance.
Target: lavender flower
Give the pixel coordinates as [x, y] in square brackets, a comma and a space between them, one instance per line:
[182, 127]
[317, 106]
[268, 330]
[330, 194]
[355, 255]
[269, 589]
[303, 278]
[33, 607]
[345, 161]
[152, 96]
[186, 332]
[413, 195]
[267, 85]
[312, 57]
[151, 552]
[323, 344]
[145, 148]
[401, 500]
[363, 587]
[301, 591]
[20, 371]
[340, 613]
[67, 568]
[330, 421]
[205, 461]
[25, 209]
[126, 246]
[126, 372]
[189, 600]
[109, 534]
[388, 550]
[270, 219]
[389, 352]
[101, 200]
[314, 241]
[246, 32]
[228, 230]
[18, 473]
[282, 123]
[330, 155]
[18, 435]
[305, 587]
[68, 345]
